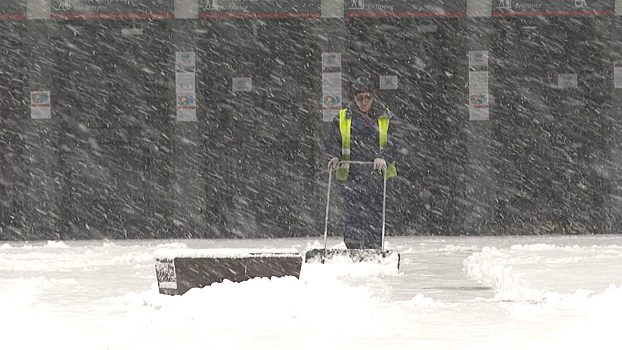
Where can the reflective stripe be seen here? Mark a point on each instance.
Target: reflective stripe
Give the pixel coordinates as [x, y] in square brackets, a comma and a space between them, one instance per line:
[383, 131]
[345, 125]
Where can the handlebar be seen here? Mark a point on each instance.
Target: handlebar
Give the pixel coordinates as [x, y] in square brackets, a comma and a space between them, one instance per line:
[360, 162]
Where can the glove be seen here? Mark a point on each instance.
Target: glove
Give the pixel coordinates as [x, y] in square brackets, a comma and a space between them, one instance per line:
[333, 163]
[380, 164]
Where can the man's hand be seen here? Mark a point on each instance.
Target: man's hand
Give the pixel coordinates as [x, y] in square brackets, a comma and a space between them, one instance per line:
[380, 164]
[333, 164]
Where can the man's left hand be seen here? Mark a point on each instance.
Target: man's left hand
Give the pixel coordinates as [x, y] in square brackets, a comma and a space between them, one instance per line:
[380, 164]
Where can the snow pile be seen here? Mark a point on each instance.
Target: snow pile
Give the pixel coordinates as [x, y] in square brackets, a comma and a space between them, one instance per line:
[320, 299]
[56, 244]
[171, 254]
[489, 268]
[597, 327]
[342, 266]
[523, 272]
[103, 295]
[25, 291]
[594, 318]
[26, 325]
[173, 245]
[48, 244]
[260, 301]
[422, 301]
[55, 256]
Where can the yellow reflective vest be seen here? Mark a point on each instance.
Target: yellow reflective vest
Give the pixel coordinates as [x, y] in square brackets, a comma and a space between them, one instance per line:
[345, 127]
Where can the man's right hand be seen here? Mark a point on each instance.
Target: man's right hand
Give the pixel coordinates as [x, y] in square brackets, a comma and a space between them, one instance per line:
[333, 163]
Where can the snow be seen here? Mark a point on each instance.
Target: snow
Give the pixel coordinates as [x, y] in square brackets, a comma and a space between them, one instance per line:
[168, 253]
[534, 292]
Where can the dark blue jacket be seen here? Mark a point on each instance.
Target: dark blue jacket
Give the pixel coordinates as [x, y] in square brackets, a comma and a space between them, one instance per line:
[364, 137]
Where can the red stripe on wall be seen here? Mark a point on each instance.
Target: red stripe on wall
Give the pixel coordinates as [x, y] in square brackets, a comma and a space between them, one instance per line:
[12, 16]
[259, 15]
[406, 14]
[112, 15]
[556, 13]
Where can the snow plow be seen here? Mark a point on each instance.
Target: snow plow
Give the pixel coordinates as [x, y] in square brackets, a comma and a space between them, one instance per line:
[380, 256]
[179, 270]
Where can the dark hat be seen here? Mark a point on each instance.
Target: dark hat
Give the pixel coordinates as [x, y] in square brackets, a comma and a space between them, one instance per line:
[362, 84]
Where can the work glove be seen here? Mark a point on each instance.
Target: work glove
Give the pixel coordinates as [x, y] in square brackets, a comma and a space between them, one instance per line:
[333, 163]
[380, 164]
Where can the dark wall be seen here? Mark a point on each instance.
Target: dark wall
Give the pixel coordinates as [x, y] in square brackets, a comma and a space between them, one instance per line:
[553, 144]
[261, 146]
[112, 106]
[12, 161]
[113, 162]
[428, 55]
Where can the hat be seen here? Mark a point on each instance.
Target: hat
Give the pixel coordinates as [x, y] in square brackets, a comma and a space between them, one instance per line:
[362, 84]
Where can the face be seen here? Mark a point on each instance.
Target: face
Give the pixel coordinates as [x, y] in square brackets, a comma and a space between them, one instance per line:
[364, 101]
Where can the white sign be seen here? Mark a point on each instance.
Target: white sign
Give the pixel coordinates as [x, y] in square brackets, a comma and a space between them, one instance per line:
[478, 85]
[186, 101]
[478, 106]
[40, 105]
[242, 84]
[184, 83]
[186, 107]
[567, 81]
[388, 82]
[332, 97]
[478, 58]
[185, 59]
[331, 82]
[479, 114]
[478, 81]
[331, 59]
[331, 102]
[617, 75]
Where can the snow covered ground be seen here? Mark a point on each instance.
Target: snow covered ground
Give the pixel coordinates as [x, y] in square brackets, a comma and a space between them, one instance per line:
[536, 292]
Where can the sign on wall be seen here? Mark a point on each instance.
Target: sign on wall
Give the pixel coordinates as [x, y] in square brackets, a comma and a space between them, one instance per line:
[552, 7]
[239, 84]
[404, 8]
[617, 75]
[186, 102]
[12, 9]
[565, 81]
[112, 8]
[388, 82]
[40, 105]
[478, 85]
[331, 85]
[262, 8]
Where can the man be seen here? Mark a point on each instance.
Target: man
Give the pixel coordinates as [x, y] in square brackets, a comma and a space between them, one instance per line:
[364, 131]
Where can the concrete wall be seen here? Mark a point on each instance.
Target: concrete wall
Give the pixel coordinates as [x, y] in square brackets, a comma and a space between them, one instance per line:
[113, 161]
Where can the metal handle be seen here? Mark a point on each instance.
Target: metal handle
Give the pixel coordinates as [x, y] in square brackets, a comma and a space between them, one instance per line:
[384, 197]
[330, 177]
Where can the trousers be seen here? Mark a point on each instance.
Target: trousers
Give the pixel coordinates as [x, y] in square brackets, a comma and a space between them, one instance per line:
[363, 193]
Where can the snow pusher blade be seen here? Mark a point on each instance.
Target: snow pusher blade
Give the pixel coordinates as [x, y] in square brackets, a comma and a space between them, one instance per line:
[382, 257]
[179, 270]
